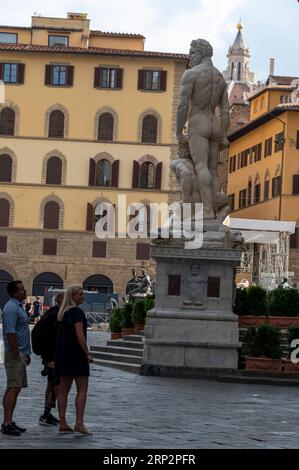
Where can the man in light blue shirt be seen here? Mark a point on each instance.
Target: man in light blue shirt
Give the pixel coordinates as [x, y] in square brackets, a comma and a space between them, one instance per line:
[16, 335]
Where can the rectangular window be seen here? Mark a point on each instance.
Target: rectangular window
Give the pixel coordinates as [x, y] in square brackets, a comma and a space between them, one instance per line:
[295, 185]
[58, 41]
[242, 199]
[234, 163]
[231, 201]
[257, 193]
[276, 186]
[108, 78]
[99, 249]
[50, 247]
[268, 147]
[174, 285]
[143, 251]
[10, 73]
[214, 287]
[59, 75]
[267, 190]
[3, 244]
[8, 38]
[279, 142]
[239, 161]
[151, 80]
[259, 152]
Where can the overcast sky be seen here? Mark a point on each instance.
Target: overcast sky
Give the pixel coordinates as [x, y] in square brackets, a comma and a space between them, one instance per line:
[270, 26]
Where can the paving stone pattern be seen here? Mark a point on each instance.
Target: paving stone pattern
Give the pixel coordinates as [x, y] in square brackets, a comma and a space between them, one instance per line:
[128, 411]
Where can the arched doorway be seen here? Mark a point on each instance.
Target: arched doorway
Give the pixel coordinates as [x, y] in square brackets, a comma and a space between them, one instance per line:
[44, 281]
[99, 283]
[5, 278]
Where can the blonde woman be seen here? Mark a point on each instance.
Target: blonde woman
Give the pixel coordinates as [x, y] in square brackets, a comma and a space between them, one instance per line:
[72, 357]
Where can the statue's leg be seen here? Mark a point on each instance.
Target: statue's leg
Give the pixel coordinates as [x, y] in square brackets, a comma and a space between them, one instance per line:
[200, 151]
[213, 165]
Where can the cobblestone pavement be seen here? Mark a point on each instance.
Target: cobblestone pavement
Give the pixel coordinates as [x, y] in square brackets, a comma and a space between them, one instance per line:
[127, 411]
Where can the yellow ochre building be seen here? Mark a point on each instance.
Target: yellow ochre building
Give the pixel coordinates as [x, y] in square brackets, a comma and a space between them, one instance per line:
[87, 115]
[263, 181]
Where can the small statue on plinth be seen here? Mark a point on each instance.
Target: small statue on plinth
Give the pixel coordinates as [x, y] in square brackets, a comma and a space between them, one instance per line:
[139, 287]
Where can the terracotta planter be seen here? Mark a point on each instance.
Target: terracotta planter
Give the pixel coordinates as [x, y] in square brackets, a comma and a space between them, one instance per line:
[263, 364]
[250, 320]
[137, 328]
[291, 368]
[284, 322]
[127, 331]
[116, 336]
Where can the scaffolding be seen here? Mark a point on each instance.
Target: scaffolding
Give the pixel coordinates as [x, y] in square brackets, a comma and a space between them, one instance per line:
[266, 250]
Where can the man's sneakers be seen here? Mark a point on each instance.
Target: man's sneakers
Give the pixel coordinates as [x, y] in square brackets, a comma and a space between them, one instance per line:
[12, 429]
[49, 420]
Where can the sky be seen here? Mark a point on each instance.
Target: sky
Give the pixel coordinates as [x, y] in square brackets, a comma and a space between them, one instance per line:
[270, 26]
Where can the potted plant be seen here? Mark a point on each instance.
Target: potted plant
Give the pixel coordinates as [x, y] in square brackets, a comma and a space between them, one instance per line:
[284, 307]
[263, 348]
[127, 327]
[251, 306]
[138, 315]
[114, 322]
[291, 366]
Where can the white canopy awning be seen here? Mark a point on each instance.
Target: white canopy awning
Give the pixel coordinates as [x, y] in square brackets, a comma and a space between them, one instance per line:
[260, 231]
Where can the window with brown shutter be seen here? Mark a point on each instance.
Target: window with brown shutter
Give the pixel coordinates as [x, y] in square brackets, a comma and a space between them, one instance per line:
[56, 124]
[50, 247]
[5, 168]
[297, 144]
[108, 78]
[54, 171]
[12, 73]
[267, 190]
[48, 75]
[70, 75]
[214, 287]
[294, 240]
[99, 249]
[92, 172]
[115, 174]
[90, 218]
[3, 244]
[7, 121]
[97, 77]
[140, 79]
[103, 173]
[296, 185]
[158, 182]
[174, 285]
[4, 212]
[163, 80]
[149, 129]
[152, 80]
[135, 177]
[147, 176]
[51, 215]
[143, 251]
[106, 127]
[21, 73]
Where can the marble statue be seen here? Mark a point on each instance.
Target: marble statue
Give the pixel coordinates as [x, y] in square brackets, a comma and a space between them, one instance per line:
[139, 287]
[204, 107]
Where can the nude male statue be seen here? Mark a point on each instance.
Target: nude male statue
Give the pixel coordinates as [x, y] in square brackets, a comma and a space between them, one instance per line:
[203, 91]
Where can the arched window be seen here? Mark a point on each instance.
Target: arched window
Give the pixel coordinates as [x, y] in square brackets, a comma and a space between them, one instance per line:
[249, 193]
[56, 124]
[106, 127]
[147, 176]
[149, 129]
[5, 168]
[4, 212]
[285, 99]
[45, 281]
[98, 283]
[103, 173]
[257, 191]
[267, 187]
[54, 171]
[232, 71]
[51, 215]
[239, 71]
[7, 121]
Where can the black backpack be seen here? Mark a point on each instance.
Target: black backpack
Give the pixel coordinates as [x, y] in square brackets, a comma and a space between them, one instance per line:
[39, 332]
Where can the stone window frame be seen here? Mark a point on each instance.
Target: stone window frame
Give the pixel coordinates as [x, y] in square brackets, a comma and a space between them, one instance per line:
[11, 201]
[148, 159]
[54, 153]
[16, 109]
[103, 156]
[11, 153]
[51, 198]
[106, 109]
[57, 107]
[158, 116]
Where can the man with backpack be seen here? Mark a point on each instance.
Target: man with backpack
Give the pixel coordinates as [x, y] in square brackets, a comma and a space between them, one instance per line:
[44, 344]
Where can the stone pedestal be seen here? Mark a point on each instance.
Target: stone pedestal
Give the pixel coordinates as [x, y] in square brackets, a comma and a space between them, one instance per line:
[192, 331]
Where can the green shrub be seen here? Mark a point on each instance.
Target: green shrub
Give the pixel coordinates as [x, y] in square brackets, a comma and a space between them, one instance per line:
[126, 316]
[284, 303]
[115, 321]
[241, 306]
[264, 341]
[139, 313]
[251, 301]
[293, 334]
[149, 303]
